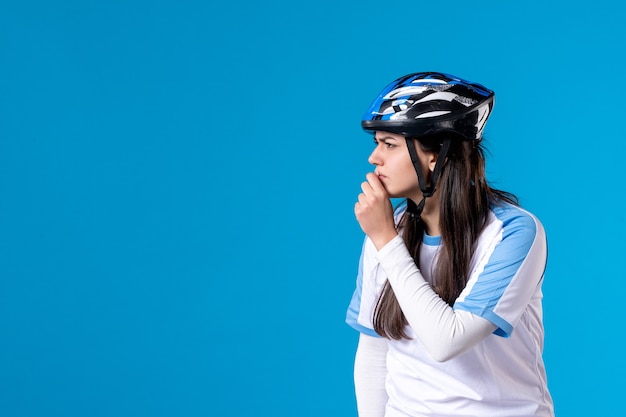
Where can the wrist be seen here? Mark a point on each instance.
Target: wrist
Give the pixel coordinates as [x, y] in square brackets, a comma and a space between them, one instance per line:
[382, 239]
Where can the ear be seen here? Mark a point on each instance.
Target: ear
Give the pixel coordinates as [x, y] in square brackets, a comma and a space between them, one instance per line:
[432, 160]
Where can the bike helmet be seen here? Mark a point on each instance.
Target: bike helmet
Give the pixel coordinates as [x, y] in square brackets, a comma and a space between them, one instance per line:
[425, 103]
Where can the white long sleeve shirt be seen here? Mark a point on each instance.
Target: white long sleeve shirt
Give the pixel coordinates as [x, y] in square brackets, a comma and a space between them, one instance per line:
[481, 357]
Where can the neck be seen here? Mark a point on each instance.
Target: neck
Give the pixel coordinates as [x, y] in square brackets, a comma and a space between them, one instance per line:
[430, 214]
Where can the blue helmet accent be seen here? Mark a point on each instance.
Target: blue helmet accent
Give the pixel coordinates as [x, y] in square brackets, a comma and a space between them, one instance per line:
[426, 103]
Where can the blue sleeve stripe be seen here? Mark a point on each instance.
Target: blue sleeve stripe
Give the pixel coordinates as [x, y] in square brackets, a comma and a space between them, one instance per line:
[518, 235]
[352, 315]
[504, 328]
[362, 329]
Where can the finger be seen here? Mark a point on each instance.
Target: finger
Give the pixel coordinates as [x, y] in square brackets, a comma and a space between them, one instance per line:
[359, 206]
[367, 188]
[375, 183]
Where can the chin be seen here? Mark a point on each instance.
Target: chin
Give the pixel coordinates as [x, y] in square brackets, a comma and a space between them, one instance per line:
[396, 195]
[401, 193]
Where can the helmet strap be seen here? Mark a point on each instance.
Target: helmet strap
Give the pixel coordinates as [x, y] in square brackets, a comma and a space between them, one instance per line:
[427, 191]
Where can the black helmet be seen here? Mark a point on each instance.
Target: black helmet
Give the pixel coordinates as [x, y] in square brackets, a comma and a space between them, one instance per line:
[424, 103]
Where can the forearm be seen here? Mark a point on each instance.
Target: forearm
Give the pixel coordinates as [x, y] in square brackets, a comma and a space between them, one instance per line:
[444, 332]
[370, 372]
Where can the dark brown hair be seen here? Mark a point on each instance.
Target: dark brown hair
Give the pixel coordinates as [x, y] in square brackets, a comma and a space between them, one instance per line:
[465, 198]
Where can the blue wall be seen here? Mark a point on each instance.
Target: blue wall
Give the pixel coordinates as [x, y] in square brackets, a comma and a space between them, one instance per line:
[177, 182]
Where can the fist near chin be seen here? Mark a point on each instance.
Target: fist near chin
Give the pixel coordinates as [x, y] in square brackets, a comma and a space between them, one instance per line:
[374, 212]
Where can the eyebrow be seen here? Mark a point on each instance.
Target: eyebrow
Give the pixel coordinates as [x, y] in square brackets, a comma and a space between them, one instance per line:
[384, 138]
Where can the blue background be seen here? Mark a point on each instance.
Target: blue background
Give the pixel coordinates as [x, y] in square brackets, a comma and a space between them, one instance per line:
[177, 182]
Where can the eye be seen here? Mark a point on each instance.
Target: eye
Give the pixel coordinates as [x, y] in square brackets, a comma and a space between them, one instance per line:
[386, 143]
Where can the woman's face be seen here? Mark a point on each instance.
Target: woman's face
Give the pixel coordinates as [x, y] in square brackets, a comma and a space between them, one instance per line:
[394, 167]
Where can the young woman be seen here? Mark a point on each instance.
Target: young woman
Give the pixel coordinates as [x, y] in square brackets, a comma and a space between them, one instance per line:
[448, 294]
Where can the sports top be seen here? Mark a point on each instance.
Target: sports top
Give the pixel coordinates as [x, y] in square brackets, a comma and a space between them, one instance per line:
[503, 374]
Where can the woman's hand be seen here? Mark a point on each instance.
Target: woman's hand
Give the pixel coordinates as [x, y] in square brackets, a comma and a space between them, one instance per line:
[374, 212]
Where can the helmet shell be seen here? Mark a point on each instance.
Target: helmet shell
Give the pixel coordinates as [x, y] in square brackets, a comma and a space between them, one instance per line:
[425, 103]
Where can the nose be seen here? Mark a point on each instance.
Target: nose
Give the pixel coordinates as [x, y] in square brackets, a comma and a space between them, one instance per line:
[374, 157]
